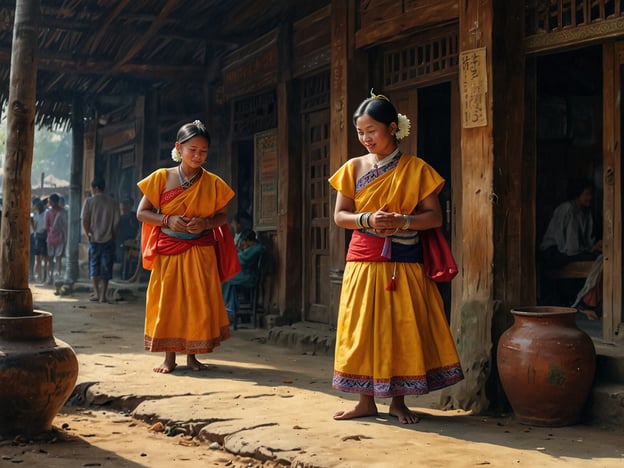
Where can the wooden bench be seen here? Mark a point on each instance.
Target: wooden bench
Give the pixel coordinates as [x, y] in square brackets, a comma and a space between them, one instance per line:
[571, 270]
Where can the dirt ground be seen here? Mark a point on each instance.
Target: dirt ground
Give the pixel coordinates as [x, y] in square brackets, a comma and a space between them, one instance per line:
[84, 437]
[260, 399]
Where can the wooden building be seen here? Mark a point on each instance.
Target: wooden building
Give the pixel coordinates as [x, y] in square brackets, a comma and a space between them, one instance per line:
[509, 101]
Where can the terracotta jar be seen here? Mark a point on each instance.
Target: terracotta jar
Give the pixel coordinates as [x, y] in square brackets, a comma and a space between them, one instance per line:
[546, 365]
[37, 374]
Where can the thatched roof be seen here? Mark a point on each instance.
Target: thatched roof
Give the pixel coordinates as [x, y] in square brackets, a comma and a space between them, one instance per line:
[124, 47]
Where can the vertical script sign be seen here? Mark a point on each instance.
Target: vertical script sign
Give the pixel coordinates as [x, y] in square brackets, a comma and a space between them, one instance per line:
[473, 76]
[265, 192]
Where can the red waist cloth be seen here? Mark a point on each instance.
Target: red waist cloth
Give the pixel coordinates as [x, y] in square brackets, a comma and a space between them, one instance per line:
[366, 248]
[168, 245]
[154, 242]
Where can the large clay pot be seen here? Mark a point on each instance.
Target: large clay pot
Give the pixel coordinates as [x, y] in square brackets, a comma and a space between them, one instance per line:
[37, 374]
[546, 366]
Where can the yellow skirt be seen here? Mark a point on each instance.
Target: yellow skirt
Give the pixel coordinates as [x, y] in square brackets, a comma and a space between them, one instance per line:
[392, 343]
[184, 307]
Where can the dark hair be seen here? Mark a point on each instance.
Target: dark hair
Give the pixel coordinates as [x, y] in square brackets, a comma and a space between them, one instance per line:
[577, 187]
[98, 182]
[54, 198]
[379, 108]
[247, 235]
[191, 130]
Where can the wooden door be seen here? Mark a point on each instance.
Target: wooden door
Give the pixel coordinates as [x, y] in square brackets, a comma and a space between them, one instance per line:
[433, 137]
[316, 217]
[613, 76]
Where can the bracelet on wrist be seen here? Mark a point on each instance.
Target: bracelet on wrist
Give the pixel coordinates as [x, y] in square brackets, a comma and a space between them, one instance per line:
[407, 222]
[366, 220]
[165, 221]
[358, 221]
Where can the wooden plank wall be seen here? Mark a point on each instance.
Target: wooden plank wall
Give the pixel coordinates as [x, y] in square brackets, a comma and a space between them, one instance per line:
[310, 42]
[384, 19]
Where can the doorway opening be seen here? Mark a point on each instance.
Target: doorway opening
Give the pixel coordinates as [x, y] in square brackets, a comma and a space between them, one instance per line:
[569, 153]
[434, 146]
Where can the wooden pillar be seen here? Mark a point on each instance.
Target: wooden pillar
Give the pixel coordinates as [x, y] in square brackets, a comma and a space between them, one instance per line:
[15, 295]
[471, 326]
[74, 228]
[347, 90]
[289, 217]
[514, 184]
[513, 262]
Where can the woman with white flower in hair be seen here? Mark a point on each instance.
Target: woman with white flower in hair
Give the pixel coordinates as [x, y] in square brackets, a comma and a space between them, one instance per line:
[180, 208]
[392, 337]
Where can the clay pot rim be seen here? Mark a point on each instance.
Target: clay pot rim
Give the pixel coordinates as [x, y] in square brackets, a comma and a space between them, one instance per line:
[35, 313]
[543, 311]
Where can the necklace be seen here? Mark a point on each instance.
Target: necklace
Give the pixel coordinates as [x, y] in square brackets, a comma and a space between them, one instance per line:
[386, 160]
[185, 182]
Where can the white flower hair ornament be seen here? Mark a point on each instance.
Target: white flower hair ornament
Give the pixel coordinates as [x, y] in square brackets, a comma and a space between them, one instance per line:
[176, 155]
[403, 127]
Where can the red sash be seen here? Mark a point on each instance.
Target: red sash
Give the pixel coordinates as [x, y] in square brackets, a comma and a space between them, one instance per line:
[155, 242]
[366, 248]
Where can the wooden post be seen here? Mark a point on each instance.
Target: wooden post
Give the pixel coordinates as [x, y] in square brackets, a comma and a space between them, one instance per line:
[15, 296]
[471, 327]
[347, 90]
[74, 228]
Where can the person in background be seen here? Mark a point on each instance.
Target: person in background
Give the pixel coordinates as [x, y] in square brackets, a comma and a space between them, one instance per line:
[248, 256]
[240, 222]
[56, 228]
[570, 237]
[180, 209]
[38, 249]
[100, 222]
[392, 336]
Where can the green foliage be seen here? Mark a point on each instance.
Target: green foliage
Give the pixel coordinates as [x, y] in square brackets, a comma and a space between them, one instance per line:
[51, 152]
[51, 155]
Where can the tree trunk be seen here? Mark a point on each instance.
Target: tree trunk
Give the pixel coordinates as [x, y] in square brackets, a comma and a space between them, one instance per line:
[15, 296]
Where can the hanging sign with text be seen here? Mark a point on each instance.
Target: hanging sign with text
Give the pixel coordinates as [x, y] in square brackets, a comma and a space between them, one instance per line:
[473, 87]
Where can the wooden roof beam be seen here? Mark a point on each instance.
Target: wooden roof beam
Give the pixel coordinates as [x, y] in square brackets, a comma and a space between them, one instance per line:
[146, 71]
[95, 42]
[151, 32]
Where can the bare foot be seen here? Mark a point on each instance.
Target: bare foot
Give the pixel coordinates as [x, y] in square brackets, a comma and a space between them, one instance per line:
[403, 413]
[165, 367]
[193, 364]
[361, 410]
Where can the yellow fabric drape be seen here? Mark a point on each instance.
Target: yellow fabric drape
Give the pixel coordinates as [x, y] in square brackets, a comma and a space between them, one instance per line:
[392, 343]
[184, 309]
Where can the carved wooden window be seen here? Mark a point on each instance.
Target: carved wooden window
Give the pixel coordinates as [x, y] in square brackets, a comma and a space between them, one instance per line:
[423, 59]
[558, 15]
[554, 24]
[315, 92]
[254, 114]
[266, 192]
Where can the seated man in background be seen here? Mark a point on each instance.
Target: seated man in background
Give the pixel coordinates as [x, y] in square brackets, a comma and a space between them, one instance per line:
[570, 237]
[248, 256]
[240, 223]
